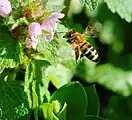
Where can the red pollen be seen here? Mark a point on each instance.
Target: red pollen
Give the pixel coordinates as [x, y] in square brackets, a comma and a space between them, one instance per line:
[27, 14]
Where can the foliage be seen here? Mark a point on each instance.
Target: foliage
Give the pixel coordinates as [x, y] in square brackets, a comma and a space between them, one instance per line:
[122, 7]
[92, 4]
[46, 82]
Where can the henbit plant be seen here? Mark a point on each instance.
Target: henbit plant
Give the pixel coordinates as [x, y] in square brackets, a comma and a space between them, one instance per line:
[34, 55]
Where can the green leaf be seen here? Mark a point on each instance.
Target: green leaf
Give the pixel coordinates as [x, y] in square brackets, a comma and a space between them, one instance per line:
[29, 75]
[34, 95]
[54, 8]
[62, 114]
[36, 82]
[10, 54]
[42, 80]
[15, 3]
[93, 101]
[114, 78]
[85, 70]
[91, 4]
[13, 105]
[59, 75]
[91, 117]
[49, 50]
[47, 110]
[122, 7]
[119, 108]
[75, 97]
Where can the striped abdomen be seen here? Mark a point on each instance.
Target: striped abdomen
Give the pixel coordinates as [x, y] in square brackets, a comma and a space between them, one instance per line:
[89, 52]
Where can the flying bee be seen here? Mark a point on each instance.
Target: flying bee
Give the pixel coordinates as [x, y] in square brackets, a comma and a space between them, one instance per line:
[79, 43]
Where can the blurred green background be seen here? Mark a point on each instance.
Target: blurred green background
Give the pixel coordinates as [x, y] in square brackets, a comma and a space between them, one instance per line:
[113, 75]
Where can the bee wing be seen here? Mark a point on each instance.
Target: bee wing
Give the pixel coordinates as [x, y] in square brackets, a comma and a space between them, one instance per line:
[93, 29]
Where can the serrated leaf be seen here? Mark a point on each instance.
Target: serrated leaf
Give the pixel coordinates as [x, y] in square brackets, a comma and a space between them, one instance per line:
[35, 74]
[75, 97]
[29, 75]
[42, 80]
[9, 49]
[54, 8]
[91, 4]
[49, 50]
[59, 75]
[118, 108]
[93, 101]
[91, 117]
[122, 7]
[12, 103]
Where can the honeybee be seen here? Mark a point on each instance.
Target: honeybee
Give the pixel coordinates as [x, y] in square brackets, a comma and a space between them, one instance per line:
[79, 43]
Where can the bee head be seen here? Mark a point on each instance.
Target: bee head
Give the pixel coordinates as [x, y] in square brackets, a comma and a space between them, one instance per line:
[69, 34]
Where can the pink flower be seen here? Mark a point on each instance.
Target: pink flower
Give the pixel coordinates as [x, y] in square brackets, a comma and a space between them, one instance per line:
[34, 31]
[50, 24]
[5, 8]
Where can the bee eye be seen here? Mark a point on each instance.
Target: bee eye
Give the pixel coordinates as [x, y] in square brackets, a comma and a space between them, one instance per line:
[69, 35]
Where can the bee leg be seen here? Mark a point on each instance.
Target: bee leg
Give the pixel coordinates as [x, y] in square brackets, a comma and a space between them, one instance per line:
[81, 56]
[77, 53]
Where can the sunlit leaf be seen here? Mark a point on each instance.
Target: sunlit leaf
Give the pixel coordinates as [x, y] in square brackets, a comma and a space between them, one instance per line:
[85, 70]
[34, 95]
[91, 4]
[29, 75]
[59, 75]
[47, 110]
[54, 8]
[122, 7]
[36, 83]
[62, 114]
[75, 97]
[114, 78]
[42, 80]
[9, 49]
[49, 50]
[12, 103]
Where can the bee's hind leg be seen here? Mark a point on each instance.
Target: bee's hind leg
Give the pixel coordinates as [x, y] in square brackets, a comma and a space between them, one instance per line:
[77, 53]
[81, 57]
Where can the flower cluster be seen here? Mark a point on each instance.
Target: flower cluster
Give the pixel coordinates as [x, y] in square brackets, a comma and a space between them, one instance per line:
[49, 24]
[35, 28]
